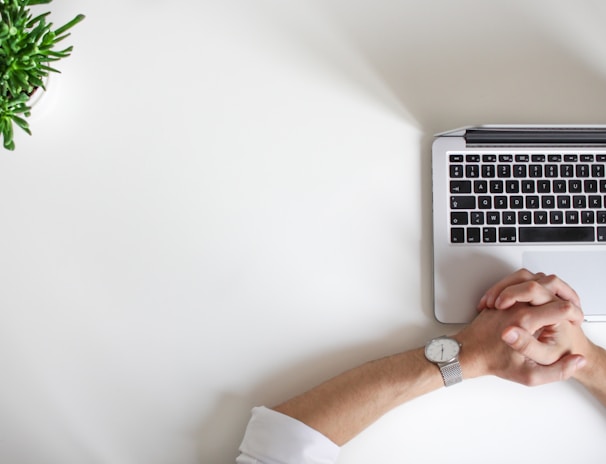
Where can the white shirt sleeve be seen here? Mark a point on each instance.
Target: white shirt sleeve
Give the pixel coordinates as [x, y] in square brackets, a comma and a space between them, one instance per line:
[275, 438]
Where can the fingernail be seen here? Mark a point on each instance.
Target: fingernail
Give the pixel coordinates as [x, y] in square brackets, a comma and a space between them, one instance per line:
[511, 336]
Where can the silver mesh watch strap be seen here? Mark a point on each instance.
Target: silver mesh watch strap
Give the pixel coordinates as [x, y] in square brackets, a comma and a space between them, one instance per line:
[451, 373]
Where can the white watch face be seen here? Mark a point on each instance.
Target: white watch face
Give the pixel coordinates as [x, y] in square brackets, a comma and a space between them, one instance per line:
[442, 350]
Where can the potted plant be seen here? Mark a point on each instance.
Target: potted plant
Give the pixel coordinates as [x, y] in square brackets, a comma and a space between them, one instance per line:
[27, 50]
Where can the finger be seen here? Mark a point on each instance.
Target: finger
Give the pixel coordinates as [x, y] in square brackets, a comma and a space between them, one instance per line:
[560, 288]
[532, 319]
[531, 292]
[521, 275]
[527, 345]
[560, 370]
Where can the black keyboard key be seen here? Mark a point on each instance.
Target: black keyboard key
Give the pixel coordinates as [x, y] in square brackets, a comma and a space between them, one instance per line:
[457, 235]
[493, 218]
[528, 186]
[540, 217]
[586, 158]
[600, 158]
[595, 201]
[601, 234]
[489, 158]
[572, 217]
[575, 186]
[597, 170]
[543, 186]
[556, 217]
[587, 217]
[472, 171]
[525, 217]
[582, 170]
[460, 186]
[519, 170]
[456, 171]
[536, 170]
[473, 235]
[559, 186]
[556, 234]
[591, 186]
[522, 158]
[551, 170]
[477, 218]
[567, 170]
[456, 158]
[500, 202]
[463, 202]
[459, 218]
[571, 158]
[507, 234]
[505, 158]
[489, 234]
[601, 217]
[512, 186]
[480, 186]
[579, 201]
[484, 202]
[532, 202]
[496, 186]
[504, 170]
[509, 217]
[516, 201]
[471, 158]
[488, 170]
[563, 201]
[538, 158]
[548, 202]
[603, 186]
[554, 158]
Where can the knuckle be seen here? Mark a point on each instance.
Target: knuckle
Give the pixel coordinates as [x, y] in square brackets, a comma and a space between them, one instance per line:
[525, 273]
[534, 286]
[524, 318]
[567, 307]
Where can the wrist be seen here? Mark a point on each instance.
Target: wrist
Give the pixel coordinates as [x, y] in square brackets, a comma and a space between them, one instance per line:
[593, 354]
[471, 357]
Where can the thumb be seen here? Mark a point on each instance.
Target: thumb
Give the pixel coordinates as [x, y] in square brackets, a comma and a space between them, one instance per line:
[523, 342]
[559, 370]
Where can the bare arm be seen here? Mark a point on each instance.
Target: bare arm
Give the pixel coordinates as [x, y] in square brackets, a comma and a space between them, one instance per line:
[345, 405]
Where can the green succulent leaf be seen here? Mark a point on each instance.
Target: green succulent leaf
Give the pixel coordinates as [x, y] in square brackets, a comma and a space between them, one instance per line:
[27, 46]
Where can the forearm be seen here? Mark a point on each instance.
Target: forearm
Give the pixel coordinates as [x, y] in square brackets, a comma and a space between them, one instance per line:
[345, 405]
[593, 375]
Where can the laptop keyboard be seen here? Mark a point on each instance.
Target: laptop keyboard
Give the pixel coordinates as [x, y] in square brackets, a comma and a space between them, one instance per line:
[515, 198]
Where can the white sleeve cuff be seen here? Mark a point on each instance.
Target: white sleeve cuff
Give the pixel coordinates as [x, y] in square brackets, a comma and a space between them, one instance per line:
[275, 438]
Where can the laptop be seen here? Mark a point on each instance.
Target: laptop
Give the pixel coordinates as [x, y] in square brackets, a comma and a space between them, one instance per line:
[507, 197]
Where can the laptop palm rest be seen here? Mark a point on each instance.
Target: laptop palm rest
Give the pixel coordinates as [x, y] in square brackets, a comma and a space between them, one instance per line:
[582, 270]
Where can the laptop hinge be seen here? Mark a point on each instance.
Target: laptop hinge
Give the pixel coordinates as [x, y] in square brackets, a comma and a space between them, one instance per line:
[536, 137]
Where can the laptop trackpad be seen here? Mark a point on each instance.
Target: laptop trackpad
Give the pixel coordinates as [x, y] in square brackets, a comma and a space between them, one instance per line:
[582, 270]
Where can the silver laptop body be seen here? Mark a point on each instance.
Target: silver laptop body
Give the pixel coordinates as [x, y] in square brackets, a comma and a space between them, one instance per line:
[506, 197]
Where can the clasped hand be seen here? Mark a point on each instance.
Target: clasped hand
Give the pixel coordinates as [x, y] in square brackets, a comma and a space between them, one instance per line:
[528, 331]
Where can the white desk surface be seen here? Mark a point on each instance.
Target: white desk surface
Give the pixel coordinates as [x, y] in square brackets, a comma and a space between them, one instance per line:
[225, 202]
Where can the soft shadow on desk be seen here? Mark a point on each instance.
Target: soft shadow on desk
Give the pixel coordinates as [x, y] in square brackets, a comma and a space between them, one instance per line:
[227, 422]
[452, 64]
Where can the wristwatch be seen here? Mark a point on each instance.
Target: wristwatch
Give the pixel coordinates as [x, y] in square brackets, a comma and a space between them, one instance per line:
[444, 352]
